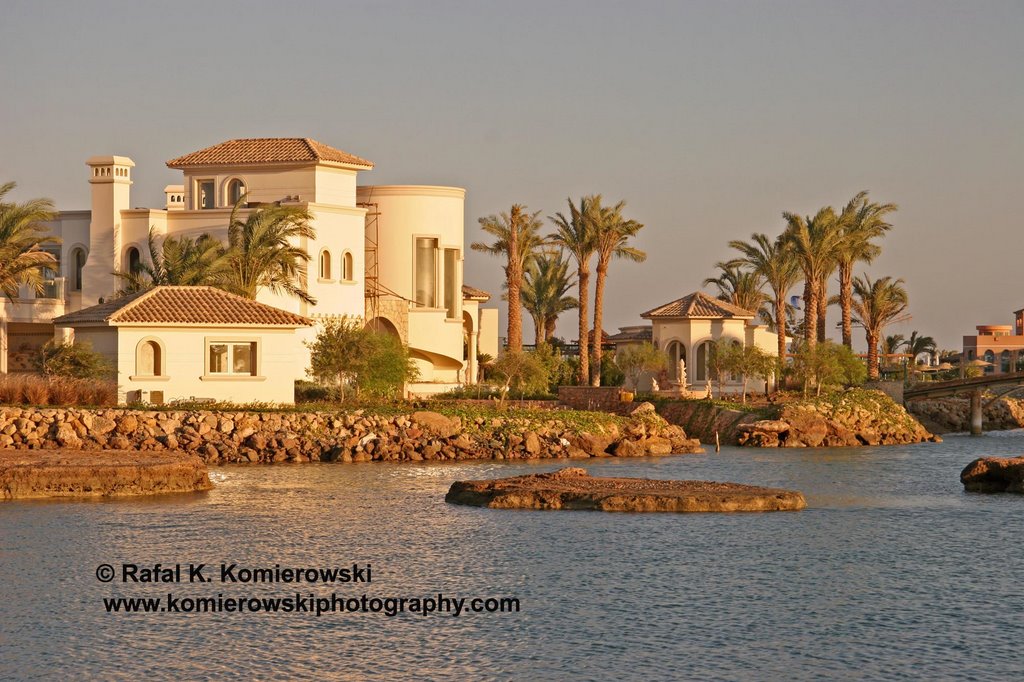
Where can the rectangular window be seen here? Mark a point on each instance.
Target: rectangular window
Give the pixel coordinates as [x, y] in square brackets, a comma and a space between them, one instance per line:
[451, 277]
[426, 272]
[237, 358]
[205, 189]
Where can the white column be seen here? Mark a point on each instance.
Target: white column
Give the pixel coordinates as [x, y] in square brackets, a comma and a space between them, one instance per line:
[471, 362]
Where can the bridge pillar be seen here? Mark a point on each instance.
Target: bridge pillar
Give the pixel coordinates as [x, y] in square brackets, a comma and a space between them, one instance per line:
[976, 412]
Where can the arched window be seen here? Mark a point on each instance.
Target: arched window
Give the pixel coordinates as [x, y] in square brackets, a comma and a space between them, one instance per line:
[990, 358]
[703, 354]
[1004, 362]
[325, 264]
[133, 259]
[236, 190]
[346, 266]
[77, 263]
[676, 352]
[149, 359]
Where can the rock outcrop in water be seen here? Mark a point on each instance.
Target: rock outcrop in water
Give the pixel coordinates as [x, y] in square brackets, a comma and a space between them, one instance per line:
[357, 436]
[574, 488]
[848, 418]
[994, 475]
[60, 473]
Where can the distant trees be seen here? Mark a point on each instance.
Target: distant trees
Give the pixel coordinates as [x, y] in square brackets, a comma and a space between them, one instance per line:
[876, 303]
[517, 237]
[740, 286]
[576, 234]
[773, 260]
[814, 241]
[612, 233]
[545, 292]
[22, 236]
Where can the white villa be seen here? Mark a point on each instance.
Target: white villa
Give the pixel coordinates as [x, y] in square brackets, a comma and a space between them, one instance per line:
[684, 329]
[390, 255]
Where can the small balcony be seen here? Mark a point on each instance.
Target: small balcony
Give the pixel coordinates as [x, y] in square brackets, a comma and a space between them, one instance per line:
[36, 307]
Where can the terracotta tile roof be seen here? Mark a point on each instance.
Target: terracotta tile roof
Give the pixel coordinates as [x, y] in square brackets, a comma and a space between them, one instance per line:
[473, 292]
[266, 150]
[185, 305]
[698, 305]
[645, 333]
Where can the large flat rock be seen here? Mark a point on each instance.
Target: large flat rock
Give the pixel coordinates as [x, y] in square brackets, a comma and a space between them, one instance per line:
[71, 473]
[994, 475]
[574, 488]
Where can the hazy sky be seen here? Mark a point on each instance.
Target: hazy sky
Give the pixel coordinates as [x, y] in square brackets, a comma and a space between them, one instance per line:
[709, 119]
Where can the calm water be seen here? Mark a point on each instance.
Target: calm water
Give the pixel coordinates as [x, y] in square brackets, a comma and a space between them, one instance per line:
[892, 572]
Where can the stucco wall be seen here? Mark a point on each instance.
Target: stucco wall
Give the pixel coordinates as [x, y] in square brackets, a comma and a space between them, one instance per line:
[184, 357]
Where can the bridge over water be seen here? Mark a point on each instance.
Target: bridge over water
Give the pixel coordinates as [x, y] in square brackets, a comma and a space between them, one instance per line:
[973, 387]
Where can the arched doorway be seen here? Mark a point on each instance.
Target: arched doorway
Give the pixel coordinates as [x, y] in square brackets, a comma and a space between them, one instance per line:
[675, 351]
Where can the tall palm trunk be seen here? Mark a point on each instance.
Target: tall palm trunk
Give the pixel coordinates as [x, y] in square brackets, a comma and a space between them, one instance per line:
[549, 327]
[846, 301]
[538, 330]
[810, 312]
[780, 326]
[584, 292]
[602, 274]
[872, 338]
[822, 307]
[515, 283]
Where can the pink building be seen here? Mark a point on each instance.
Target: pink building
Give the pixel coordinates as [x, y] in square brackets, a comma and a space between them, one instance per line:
[998, 344]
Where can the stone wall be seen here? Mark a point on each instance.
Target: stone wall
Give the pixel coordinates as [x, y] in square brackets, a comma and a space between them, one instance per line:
[600, 398]
[267, 437]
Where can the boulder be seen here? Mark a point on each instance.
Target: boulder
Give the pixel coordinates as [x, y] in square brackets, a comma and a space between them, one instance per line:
[574, 488]
[435, 424]
[994, 475]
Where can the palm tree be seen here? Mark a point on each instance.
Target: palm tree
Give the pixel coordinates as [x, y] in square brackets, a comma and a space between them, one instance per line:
[576, 234]
[813, 241]
[261, 251]
[22, 236]
[861, 222]
[916, 345]
[545, 292]
[517, 235]
[739, 286]
[875, 304]
[891, 347]
[774, 261]
[611, 238]
[177, 261]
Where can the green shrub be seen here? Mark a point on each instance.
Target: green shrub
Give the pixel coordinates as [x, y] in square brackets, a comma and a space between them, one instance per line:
[74, 361]
[347, 354]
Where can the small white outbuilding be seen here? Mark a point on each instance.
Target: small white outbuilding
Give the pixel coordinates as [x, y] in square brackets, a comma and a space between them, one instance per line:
[194, 343]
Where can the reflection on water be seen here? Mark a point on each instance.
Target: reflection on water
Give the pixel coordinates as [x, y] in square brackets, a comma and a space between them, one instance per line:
[892, 571]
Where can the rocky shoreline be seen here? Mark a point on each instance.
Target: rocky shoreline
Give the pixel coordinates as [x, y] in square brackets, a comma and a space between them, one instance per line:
[26, 474]
[573, 488]
[953, 415]
[851, 418]
[221, 437]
